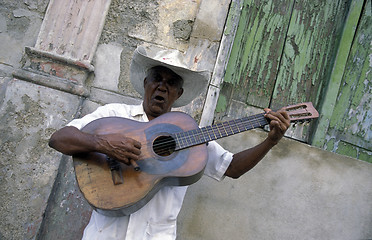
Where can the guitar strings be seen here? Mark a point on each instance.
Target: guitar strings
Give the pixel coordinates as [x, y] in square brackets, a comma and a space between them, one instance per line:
[164, 145]
[190, 136]
[235, 128]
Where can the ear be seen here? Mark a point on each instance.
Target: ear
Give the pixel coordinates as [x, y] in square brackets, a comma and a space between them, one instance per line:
[180, 92]
[144, 82]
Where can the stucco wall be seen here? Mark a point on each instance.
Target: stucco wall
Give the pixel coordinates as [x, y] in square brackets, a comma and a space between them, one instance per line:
[40, 198]
[295, 192]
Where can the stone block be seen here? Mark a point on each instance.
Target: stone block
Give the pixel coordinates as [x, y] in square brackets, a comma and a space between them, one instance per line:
[107, 66]
[210, 20]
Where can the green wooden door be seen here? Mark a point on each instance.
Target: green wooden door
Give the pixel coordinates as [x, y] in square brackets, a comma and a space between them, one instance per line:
[345, 126]
[284, 52]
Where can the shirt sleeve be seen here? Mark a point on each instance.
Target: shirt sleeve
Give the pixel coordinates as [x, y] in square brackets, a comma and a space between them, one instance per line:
[108, 110]
[219, 160]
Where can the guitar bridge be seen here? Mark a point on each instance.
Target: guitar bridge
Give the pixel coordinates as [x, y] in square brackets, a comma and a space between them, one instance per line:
[116, 173]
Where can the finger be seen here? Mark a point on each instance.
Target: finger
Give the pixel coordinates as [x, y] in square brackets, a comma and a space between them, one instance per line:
[273, 116]
[135, 151]
[284, 113]
[267, 110]
[280, 116]
[278, 126]
[130, 155]
[132, 149]
[137, 144]
[284, 119]
[274, 125]
[123, 160]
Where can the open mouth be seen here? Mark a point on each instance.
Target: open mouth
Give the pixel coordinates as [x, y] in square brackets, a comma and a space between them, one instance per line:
[159, 98]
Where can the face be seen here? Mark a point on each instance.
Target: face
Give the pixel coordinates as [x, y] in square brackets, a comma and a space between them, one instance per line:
[162, 88]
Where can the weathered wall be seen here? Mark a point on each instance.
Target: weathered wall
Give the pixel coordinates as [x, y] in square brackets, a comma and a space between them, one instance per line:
[40, 198]
[29, 115]
[53, 83]
[295, 192]
[27, 166]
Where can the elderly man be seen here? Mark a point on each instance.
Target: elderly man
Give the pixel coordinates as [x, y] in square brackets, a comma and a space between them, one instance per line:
[164, 82]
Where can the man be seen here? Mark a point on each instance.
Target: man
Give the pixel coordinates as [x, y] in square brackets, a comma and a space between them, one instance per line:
[164, 82]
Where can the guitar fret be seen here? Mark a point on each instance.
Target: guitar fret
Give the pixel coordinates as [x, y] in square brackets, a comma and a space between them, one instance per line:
[237, 125]
[202, 135]
[242, 125]
[226, 130]
[205, 134]
[209, 128]
[178, 144]
[216, 130]
[182, 138]
[208, 134]
[233, 125]
[188, 139]
[232, 130]
[222, 130]
[197, 136]
[215, 127]
[178, 140]
[214, 133]
[249, 120]
[211, 131]
[194, 136]
[256, 119]
[246, 125]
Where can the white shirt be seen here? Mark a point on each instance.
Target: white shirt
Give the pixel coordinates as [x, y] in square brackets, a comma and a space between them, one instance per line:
[157, 219]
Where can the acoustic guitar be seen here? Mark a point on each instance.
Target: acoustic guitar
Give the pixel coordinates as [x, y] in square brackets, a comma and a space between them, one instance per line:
[173, 152]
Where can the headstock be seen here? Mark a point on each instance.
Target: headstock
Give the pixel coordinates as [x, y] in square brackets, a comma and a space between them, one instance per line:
[302, 112]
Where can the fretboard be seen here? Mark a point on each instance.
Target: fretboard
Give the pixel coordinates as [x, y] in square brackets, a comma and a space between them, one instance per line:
[217, 131]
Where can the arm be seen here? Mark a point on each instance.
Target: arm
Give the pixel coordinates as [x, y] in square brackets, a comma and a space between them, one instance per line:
[245, 160]
[70, 140]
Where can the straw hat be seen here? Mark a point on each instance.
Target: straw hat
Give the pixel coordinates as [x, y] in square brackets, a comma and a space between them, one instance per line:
[194, 82]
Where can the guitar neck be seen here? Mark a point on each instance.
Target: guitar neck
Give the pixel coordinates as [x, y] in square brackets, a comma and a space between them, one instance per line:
[298, 112]
[217, 131]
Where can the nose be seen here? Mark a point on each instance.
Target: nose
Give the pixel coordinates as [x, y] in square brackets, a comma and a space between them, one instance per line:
[162, 86]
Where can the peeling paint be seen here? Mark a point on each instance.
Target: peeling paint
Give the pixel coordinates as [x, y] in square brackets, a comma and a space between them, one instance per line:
[352, 113]
[221, 104]
[255, 55]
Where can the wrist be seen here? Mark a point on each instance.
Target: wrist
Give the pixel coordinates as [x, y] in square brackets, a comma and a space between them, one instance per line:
[97, 143]
[271, 142]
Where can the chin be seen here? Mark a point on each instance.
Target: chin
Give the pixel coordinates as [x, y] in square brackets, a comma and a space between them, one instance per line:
[158, 111]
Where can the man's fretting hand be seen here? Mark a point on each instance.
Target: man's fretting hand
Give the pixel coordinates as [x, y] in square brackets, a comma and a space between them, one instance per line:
[279, 123]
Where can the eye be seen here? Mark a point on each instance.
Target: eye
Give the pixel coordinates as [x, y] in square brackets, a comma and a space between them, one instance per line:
[172, 82]
[157, 78]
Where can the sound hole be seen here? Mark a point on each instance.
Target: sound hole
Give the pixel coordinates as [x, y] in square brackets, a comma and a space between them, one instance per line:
[164, 145]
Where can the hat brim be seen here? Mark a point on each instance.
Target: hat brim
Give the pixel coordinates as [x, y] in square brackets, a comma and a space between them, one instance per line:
[194, 82]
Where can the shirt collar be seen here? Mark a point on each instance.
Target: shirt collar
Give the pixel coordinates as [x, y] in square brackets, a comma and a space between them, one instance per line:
[138, 110]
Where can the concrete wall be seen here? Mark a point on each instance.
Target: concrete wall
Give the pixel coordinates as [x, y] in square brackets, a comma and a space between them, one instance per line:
[295, 192]
[44, 89]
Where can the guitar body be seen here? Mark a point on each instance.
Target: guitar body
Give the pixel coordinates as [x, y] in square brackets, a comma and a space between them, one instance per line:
[157, 169]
